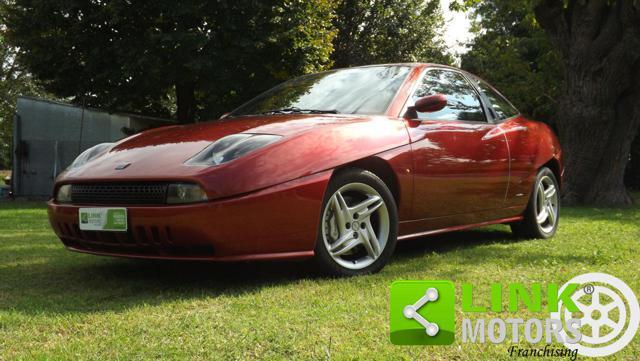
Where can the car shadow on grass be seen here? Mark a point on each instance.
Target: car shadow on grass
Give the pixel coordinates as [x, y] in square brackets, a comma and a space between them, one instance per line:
[483, 247]
[52, 280]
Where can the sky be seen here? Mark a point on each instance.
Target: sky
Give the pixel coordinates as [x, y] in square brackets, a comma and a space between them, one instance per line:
[457, 25]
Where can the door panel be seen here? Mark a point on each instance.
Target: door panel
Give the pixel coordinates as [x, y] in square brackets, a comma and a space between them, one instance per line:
[459, 168]
[461, 161]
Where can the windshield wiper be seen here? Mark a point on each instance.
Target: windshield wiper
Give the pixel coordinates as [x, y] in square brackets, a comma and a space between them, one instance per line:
[298, 110]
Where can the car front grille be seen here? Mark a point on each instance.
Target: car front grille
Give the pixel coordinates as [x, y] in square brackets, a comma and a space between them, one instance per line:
[119, 193]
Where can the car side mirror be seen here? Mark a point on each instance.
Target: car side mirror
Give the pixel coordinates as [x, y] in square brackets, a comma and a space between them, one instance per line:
[431, 103]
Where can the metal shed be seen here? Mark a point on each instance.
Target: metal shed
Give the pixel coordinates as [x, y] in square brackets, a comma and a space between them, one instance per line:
[47, 137]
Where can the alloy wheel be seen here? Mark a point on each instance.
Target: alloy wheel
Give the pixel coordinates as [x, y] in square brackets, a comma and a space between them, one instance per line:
[355, 225]
[546, 204]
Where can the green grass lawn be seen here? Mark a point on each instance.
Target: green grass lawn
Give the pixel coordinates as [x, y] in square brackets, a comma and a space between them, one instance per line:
[56, 304]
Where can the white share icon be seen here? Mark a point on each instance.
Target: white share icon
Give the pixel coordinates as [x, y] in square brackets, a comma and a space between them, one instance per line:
[411, 311]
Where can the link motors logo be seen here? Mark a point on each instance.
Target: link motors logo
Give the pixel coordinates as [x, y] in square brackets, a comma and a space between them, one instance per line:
[594, 314]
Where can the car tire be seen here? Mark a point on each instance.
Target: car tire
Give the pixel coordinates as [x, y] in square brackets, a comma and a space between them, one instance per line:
[542, 215]
[358, 212]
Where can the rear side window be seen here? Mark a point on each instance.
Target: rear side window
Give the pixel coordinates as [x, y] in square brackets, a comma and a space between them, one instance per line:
[463, 101]
[500, 106]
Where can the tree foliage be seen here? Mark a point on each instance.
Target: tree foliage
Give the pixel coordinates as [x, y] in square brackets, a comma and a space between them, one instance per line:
[387, 31]
[14, 81]
[198, 58]
[513, 53]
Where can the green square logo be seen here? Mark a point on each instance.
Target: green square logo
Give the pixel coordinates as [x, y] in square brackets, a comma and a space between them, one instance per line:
[116, 219]
[422, 313]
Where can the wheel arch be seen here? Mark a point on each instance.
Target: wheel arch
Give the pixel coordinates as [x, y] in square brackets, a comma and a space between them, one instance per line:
[554, 165]
[380, 168]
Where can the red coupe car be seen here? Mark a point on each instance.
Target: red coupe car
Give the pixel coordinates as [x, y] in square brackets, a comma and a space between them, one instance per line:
[337, 165]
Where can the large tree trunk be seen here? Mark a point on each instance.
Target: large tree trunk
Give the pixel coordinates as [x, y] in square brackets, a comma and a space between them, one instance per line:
[599, 110]
[186, 101]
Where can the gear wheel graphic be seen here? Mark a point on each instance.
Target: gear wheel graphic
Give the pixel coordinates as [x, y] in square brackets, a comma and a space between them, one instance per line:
[597, 315]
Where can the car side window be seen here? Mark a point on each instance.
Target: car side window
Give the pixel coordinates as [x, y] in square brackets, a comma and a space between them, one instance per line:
[463, 102]
[500, 106]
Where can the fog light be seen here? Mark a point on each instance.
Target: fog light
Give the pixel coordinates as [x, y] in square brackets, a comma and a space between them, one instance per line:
[185, 193]
[64, 194]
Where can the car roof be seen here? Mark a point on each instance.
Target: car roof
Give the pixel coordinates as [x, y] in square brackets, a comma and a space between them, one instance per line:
[411, 64]
[417, 65]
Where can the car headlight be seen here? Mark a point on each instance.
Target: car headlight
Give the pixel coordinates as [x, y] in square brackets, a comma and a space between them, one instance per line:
[185, 193]
[231, 147]
[90, 154]
[64, 194]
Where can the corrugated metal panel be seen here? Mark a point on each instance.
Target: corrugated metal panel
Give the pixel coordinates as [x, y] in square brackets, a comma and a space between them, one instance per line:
[49, 135]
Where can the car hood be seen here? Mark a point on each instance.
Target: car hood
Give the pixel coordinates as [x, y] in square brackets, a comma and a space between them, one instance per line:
[162, 152]
[199, 135]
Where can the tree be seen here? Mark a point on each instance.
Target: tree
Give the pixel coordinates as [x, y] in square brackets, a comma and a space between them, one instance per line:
[197, 58]
[599, 46]
[632, 174]
[512, 52]
[386, 31]
[14, 81]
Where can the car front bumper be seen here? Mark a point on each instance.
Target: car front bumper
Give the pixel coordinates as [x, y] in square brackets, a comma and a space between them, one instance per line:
[273, 223]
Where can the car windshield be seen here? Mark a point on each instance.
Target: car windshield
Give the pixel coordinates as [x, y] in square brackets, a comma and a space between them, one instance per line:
[367, 90]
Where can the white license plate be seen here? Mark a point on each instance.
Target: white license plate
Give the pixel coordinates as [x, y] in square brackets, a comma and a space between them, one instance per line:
[103, 219]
